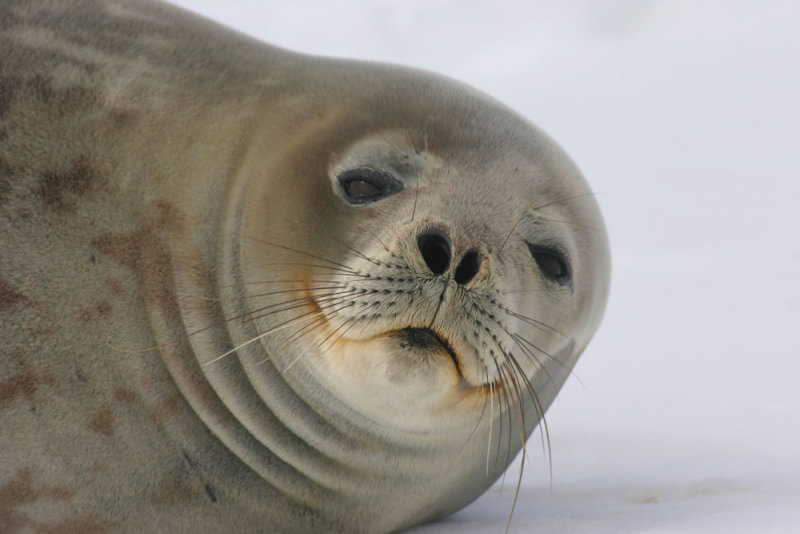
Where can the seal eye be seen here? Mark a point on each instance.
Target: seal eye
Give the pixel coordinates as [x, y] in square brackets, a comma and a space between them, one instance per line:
[361, 186]
[552, 263]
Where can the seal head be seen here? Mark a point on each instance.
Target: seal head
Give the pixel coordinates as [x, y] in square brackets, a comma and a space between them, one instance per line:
[420, 265]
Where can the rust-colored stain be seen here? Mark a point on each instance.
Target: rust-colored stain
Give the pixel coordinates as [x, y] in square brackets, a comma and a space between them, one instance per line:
[58, 188]
[80, 524]
[146, 255]
[103, 422]
[167, 408]
[114, 287]
[98, 311]
[8, 296]
[126, 395]
[24, 384]
[21, 491]
[98, 467]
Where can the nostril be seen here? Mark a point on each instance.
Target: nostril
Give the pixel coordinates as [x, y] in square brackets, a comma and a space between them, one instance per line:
[435, 249]
[468, 268]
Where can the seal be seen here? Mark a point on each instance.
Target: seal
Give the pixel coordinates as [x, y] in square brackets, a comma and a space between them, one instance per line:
[248, 290]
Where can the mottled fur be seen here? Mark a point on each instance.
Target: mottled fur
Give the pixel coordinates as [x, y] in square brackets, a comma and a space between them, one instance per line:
[168, 194]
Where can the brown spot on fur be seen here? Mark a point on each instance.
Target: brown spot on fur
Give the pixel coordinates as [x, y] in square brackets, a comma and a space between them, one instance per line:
[103, 422]
[21, 491]
[126, 395]
[54, 186]
[9, 297]
[121, 118]
[98, 311]
[144, 253]
[168, 215]
[37, 331]
[172, 491]
[167, 408]
[98, 467]
[114, 287]
[24, 384]
[83, 524]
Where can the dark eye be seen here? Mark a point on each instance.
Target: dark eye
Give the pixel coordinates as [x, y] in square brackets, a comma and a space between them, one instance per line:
[361, 186]
[552, 263]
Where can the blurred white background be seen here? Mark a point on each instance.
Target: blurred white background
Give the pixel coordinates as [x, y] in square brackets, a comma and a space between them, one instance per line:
[684, 117]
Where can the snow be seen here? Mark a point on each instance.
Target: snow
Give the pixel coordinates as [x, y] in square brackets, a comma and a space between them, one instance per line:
[684, 414]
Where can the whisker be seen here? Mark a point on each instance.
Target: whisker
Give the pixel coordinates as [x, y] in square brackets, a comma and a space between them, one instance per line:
[297, 290]
[518, 339]
[302, 332]
[226, 320]
[518, 378]
[314, 266]
[352, 321]
[354, 250]
[377, 238]
[298, 251]
[291, 304]
[416, 197]
[305, 329]
[565, 199]
[329, 280]
[260, 295]
[270, 330]
[491, 424]
[534, 322]
[539, 408]
[480, 417]
[424, 150]
[519, 482]
[503, 397]
[502, 374]
[529, 208]
[521, 425]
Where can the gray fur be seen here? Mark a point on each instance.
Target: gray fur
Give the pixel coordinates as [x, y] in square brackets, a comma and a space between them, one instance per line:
[169, 211]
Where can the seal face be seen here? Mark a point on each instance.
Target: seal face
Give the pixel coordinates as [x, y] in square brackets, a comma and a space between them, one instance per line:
[314, 294]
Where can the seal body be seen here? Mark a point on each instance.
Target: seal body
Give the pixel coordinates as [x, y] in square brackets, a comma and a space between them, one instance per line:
[249, 290]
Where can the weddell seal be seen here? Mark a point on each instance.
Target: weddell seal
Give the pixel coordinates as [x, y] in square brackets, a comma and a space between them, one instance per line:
[248, 290]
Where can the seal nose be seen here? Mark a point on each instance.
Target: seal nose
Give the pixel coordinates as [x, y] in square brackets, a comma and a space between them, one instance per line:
[468, 267]
[435, 249]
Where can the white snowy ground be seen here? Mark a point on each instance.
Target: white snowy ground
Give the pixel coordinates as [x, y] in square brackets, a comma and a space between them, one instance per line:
[684, 117]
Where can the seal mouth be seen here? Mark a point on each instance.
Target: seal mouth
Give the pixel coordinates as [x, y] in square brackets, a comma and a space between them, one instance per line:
[428, 339]
[419, 338]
